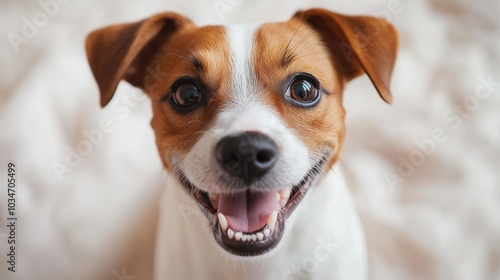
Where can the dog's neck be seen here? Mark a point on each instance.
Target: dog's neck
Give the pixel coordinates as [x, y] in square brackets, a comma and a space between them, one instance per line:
[326, 241]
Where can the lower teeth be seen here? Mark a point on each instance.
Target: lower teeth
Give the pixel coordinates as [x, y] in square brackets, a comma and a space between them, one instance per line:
[240, 236]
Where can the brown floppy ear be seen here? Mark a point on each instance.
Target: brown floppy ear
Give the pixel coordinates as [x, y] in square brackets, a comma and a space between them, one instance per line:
[124, 51]
[357, 44]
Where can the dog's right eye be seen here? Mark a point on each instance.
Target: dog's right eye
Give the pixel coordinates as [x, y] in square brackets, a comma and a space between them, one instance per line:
[186, 95]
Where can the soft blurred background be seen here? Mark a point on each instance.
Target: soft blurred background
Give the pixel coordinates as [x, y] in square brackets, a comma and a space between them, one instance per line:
[95, 218]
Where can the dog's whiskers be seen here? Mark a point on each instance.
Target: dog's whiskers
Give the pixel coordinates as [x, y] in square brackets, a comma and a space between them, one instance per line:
[287, 55]
[302, 41]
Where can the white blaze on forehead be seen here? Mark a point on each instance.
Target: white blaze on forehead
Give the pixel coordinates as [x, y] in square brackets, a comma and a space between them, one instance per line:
[245, 109]
[241, 43]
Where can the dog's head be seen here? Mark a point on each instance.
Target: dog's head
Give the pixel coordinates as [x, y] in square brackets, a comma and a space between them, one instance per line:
[246, 117]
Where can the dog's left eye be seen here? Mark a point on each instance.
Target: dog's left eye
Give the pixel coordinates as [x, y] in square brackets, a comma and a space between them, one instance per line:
[303, 92]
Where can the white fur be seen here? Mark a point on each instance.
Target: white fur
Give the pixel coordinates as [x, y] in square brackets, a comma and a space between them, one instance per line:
[186, 247]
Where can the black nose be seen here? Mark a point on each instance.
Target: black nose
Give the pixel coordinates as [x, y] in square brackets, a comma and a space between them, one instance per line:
[248, 155]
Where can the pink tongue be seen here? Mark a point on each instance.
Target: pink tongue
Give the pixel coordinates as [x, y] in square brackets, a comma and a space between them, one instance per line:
[248, 211]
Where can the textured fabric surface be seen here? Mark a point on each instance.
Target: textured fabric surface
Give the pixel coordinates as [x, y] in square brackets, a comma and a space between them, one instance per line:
[437, 218]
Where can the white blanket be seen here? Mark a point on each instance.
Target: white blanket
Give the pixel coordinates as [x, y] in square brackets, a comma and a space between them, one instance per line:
[437, 218]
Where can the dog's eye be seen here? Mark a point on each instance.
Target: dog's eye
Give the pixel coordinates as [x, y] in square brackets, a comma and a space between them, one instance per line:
[303, 92]
[186, 95]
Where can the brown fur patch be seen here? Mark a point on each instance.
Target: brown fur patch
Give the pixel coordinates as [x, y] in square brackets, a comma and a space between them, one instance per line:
[201, 53]
[282, 49]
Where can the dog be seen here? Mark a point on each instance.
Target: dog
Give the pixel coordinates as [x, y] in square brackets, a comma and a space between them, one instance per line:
[249, 125]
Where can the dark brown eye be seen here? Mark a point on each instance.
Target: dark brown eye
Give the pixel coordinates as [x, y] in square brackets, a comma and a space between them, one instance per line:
[186, 95]
[303, 92]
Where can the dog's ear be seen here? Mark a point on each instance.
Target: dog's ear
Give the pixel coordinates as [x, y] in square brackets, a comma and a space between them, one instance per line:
[124, 51]
[357, 44]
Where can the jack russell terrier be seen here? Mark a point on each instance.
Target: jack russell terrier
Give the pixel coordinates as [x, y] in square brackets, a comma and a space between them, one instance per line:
[248, 120]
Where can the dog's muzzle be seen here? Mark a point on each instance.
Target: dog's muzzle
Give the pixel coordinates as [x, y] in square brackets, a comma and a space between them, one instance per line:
[248, 220]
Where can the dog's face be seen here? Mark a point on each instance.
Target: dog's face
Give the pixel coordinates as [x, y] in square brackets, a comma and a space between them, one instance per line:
[249, 117]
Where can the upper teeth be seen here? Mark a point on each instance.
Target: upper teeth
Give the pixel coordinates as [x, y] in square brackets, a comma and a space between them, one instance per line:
[214, 200]
[283, 196]
[256, 236]
[285, 193]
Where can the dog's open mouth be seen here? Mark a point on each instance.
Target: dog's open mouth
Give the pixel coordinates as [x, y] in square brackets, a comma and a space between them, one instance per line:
[251, 223]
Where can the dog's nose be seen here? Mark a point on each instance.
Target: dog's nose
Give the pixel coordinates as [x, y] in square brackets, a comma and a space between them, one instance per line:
[248, 155]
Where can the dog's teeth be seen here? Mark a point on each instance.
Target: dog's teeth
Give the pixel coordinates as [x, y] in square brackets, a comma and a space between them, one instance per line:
[271, 222]
[260, 236]
[214, 200]
[285, 194]
[230, 233]
[278, 196]
[222, 221]
[238, 235]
